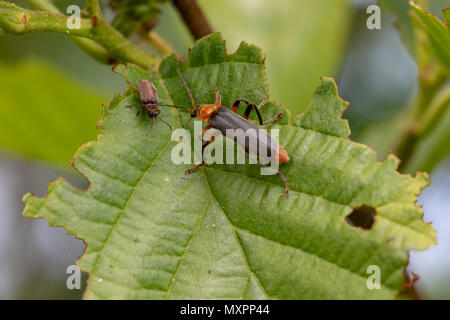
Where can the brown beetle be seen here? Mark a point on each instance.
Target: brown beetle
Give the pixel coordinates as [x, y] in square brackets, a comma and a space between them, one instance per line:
[150, 102]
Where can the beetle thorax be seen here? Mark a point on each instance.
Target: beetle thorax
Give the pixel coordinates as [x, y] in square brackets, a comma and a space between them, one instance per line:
[205, 112]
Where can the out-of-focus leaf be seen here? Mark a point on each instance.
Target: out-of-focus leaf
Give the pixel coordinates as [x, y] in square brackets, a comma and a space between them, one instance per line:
[432, 147]
[431, 39]
[43, 114]
[437, 35]
[446, 13]
[226, 231]
[430, 150]
[304, 40]
[382, 134]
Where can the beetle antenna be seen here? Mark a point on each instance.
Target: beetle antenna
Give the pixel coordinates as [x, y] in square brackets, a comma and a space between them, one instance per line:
[187, 88]
[170, 127]
[172, 106]
[150, 129]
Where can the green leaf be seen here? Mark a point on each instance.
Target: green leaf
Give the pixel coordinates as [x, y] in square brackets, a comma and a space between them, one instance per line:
[433, 147]
[43, 114]
[324, 113]
[437, 34]
[226, 232]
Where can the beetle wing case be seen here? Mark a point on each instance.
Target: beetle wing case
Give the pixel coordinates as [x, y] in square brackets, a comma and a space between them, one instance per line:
[147, 92]
[254, 140]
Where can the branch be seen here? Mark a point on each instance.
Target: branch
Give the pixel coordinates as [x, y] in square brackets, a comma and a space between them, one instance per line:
[194, 18]
[92, 48]
[94, 8]
[18, 21]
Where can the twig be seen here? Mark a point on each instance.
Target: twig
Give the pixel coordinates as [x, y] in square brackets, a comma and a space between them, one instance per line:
[157, 42]
[435, 111]
[427, 109]
[94, 8]
[92, 48]
[194, 18]
[18, 21]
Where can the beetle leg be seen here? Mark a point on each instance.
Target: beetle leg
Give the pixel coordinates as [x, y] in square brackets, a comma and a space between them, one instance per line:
[211, 138]
[256, 108]
[261, 122]
[281, 175]
[141, 110]
[204, 145]
[193, 169]
[204, 131]
[235, 106]
[277, 117]
[218, 98]
[135, 105]
[283, 178]
[250, 107]
[278, 172]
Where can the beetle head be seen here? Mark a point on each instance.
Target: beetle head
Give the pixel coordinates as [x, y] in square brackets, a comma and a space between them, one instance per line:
[194, 113]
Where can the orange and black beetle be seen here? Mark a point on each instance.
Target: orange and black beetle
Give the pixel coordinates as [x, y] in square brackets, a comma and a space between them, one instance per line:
[223, 119]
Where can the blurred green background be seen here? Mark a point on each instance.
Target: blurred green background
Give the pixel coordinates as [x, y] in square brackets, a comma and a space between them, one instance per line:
[51, 94]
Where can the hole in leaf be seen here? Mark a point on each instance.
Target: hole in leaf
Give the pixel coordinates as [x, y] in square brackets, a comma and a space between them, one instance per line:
[362, 217]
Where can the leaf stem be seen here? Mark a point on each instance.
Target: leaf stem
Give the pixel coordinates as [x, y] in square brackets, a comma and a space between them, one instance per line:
[436, 109]
[159, 43]
[147, 34]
